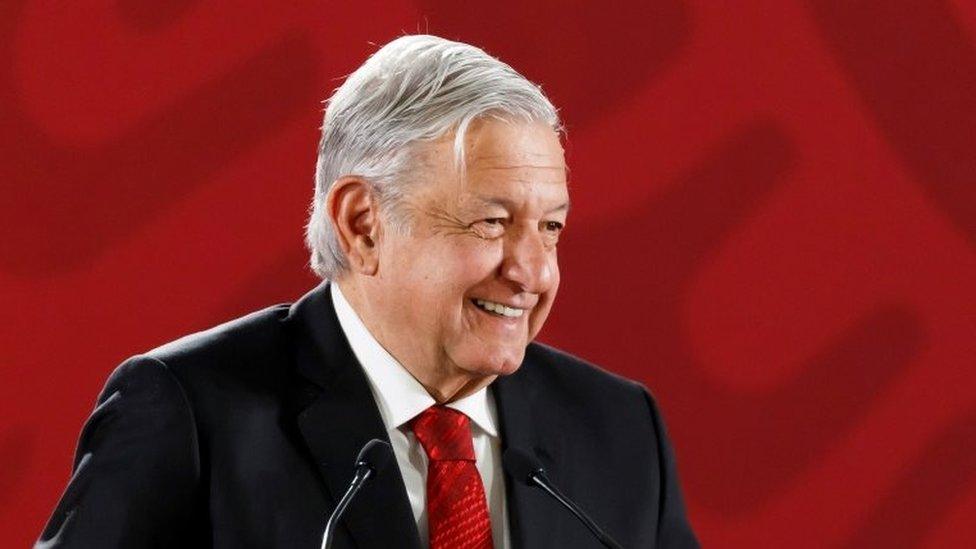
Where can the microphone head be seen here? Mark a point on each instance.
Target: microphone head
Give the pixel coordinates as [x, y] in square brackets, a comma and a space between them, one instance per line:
[376, 455]
[522, 465]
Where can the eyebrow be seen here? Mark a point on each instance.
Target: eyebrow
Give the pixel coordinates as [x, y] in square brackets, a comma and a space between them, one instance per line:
[509, 205]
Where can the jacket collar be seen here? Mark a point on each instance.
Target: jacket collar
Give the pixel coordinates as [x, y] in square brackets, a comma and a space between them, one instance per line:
[340, 417]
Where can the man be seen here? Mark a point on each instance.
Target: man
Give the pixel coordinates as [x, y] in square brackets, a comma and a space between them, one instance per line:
[440, 196]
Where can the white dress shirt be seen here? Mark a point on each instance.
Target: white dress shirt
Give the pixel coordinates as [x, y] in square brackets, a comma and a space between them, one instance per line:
[400, 397]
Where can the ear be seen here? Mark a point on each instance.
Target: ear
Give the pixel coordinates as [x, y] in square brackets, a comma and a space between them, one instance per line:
[355, 216]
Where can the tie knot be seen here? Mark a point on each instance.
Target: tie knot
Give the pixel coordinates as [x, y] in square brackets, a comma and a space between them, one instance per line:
[445, 434]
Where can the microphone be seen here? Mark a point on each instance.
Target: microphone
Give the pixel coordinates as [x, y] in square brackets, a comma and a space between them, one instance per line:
[373, 458]
[527, 469]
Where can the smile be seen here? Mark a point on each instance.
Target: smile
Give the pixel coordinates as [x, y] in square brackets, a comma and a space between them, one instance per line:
[497, 308]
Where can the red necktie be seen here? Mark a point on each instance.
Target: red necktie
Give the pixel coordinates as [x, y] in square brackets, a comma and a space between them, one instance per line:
[457, 510]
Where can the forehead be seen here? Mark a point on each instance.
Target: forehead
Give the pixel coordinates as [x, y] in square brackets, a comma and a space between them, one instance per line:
[514, 161]
[493, 143]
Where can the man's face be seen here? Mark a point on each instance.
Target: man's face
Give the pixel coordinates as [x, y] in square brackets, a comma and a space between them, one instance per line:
[474, 246]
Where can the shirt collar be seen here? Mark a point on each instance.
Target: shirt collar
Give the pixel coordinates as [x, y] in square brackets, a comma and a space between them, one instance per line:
[398, 394]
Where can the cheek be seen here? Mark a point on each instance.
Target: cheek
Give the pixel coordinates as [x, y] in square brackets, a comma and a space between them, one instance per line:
[446, 272]
[473, 260]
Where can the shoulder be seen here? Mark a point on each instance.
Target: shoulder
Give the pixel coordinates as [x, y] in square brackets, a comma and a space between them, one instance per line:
[599, 421]
[256, 332]
[239, 368]
[560, 371]
[247, 355]
[568, 389]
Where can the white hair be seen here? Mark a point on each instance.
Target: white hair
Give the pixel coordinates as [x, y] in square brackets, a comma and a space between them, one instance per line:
[414, 89]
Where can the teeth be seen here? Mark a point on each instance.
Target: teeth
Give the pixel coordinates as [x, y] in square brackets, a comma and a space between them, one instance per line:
[500, 309]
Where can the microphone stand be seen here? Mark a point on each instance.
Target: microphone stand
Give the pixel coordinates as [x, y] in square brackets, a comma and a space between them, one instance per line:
[539, 479]
[374, 456]
[362, 473]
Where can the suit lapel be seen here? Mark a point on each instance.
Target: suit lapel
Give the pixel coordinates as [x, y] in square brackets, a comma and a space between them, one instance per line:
[533, 518]
[340, 418]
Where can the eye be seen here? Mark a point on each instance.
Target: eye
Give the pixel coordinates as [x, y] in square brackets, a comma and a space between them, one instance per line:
[550, 232]
[491, 227]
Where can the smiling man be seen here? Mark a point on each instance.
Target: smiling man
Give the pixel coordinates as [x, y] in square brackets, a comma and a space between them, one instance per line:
[440, 198]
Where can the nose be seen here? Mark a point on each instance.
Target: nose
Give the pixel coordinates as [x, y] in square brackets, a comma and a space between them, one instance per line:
[528, 263]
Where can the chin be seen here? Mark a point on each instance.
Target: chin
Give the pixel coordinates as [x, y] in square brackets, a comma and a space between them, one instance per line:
[497, 364]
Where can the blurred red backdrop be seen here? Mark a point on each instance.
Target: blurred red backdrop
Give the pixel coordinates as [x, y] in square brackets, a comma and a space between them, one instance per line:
[774, 226]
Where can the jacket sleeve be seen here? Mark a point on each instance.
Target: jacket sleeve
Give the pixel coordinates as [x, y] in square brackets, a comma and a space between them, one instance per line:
[674, 530]
[136, 467]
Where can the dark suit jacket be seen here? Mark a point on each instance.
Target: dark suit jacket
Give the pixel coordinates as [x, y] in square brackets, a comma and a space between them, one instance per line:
[245, 436]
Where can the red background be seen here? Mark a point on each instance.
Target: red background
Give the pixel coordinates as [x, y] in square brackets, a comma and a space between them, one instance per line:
[774, 226]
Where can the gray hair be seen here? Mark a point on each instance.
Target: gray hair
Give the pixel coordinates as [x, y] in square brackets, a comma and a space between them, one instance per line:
[414, 89]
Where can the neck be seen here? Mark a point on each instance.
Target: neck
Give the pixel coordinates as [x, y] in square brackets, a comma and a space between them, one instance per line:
[449, 390]
[443, 380]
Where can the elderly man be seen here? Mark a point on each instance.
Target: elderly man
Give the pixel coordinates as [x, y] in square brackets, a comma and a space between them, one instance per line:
[439, 201]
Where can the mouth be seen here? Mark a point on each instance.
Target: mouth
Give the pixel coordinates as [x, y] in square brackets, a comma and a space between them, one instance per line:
[498, 309]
